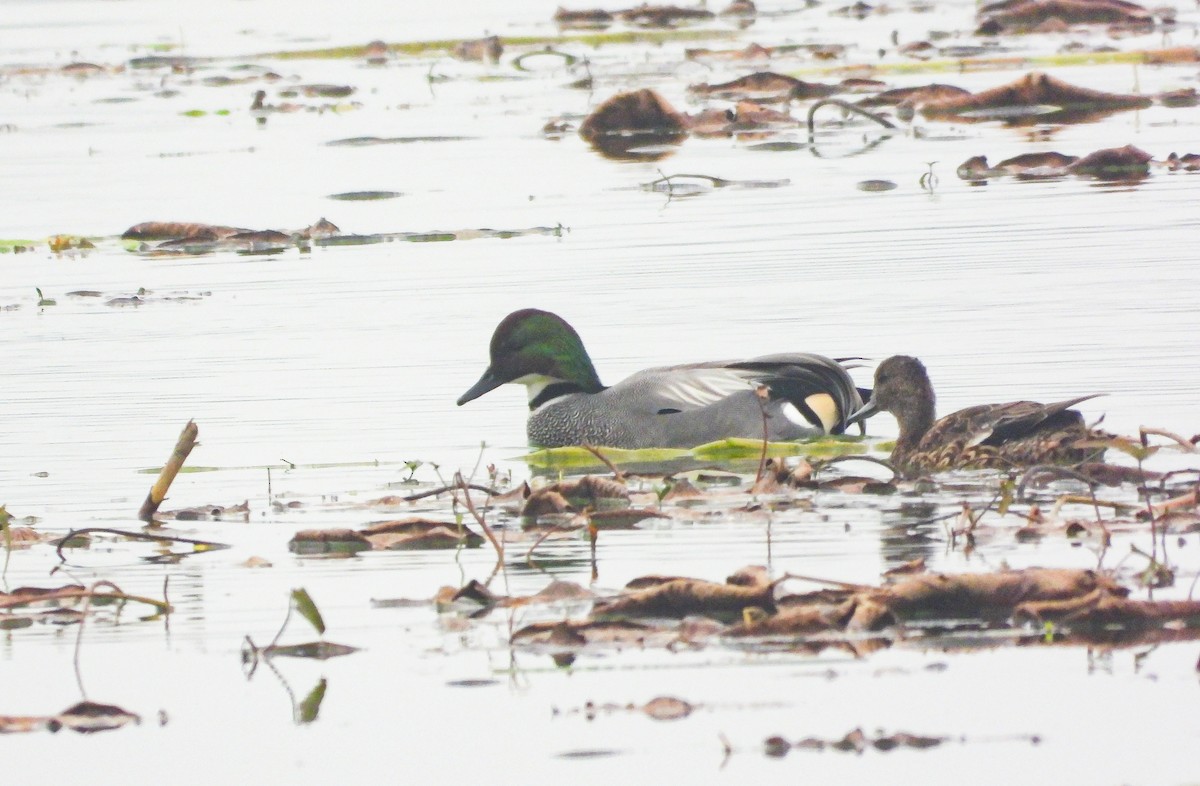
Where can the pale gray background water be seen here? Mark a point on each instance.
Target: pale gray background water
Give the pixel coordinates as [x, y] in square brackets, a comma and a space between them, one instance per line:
[1043, 290]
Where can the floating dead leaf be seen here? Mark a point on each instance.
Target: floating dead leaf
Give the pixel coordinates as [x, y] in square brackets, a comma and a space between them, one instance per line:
[240, 512]
[318, 650]
[328, 541]
[557, 591]
[586, 19]
[175, 230]
[907, 568]
[667, 708]
[799, 621]
[646, 15]
[682, 489]
[1070, 102]
[19, 537]
[486, 50]
[571, 634]
[915, 96]
[325, 91]
[681, 597]
[419, 533]
[979, 595]
[20, 724]
[87, 717]
[765, 86]
[1025, 16]
[627, 122]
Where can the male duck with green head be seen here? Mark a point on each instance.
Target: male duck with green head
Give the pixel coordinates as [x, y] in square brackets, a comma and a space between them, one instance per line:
[669, 407]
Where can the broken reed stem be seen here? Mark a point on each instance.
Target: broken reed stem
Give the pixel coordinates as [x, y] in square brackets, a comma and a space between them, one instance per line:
[158, 492]
[449, 488]
[830, 582]
[208, 544]
[461, 483]
[1186, 444]
[761, 393]
[67, 594]
[846, 105]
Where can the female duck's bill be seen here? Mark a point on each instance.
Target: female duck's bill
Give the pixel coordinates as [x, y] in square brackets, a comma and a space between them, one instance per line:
[804, 395]
[1016, 433]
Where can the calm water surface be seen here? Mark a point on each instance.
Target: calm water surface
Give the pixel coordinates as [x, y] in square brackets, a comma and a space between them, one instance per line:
[356, 354]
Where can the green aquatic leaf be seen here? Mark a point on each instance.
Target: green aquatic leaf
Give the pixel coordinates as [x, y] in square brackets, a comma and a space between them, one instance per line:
[304, 604]
[308, 709]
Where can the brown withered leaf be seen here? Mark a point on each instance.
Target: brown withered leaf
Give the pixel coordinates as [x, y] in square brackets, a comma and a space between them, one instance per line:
[486, 50]
[681, 597]
[628, 121]
[442, 537]
[325, 541]
[23, 536]
[980, 595]
[1115, 163]
[666, 708]
[915, 96]
[1106, 610]
[238, 512]
[1033, 90]
[19, 724]
[1018, 16]
[682, 489]
[646, 15]
[765, 86]
[798, 621]
[750, 576]
[903, 739]
[419, 533]
[87, 717]
[586, 19]
[176, 230]
[591, 632]
[916, 565]
[544, 501]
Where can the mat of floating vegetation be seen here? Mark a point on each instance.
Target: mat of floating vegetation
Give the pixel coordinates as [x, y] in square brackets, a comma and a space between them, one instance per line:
[1082, 606]
[400, 535]
[719, 451]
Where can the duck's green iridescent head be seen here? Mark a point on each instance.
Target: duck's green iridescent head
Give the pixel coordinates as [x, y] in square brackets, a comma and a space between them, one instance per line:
[538, 349]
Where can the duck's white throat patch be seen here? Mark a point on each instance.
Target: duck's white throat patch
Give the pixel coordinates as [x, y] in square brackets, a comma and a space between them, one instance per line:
[536, 383]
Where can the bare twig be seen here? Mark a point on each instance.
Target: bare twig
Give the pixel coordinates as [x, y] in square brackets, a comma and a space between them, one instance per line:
[461, 484]
[849, 107]
[595, 451]
[450, 489]
[1186, 444]
[72, 593]
[207, 544]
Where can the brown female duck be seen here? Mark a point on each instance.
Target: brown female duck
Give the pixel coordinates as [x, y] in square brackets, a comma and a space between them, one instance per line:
[1018, 433]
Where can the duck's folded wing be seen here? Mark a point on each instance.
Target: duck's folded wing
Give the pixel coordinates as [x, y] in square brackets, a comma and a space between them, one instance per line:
[817, 386]
[997, 423]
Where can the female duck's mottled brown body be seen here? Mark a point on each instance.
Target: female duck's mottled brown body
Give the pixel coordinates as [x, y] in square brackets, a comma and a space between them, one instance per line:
[1018, 433]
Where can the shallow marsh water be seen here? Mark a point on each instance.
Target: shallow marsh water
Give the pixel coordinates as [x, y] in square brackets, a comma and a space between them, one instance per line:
[348, 355]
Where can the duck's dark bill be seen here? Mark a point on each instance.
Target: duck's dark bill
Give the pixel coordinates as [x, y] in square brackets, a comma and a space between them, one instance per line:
[486, 383]
[862, 413]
